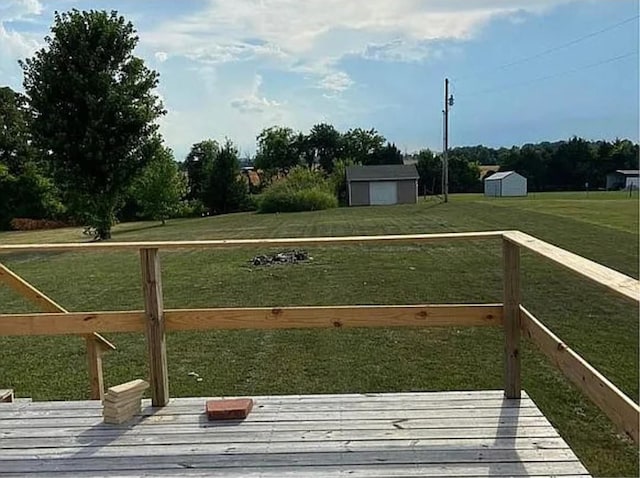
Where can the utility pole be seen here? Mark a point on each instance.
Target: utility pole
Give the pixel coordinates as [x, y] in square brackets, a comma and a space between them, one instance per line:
[448, 101]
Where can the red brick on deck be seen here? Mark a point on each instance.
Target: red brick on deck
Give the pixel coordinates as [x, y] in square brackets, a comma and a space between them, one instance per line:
[228, 409]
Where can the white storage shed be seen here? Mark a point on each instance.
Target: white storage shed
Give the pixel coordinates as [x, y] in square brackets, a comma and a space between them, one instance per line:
[505, 184]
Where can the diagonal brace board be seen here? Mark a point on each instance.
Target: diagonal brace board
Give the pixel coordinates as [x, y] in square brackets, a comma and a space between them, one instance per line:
[96, 343]
[622, 411]
[46, 304]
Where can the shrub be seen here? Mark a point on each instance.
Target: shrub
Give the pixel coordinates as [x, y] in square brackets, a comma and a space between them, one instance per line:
[25, 224]
[251, 203]
[314, 199]
[338, 180]
[301, 190]
[190, 208]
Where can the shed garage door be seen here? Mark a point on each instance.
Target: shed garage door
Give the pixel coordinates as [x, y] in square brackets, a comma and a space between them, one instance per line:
[383, 192]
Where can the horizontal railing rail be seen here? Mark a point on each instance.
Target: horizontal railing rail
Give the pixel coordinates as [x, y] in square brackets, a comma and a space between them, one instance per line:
[469, 315]
[155, 321]
[269, 242]
[613, 280]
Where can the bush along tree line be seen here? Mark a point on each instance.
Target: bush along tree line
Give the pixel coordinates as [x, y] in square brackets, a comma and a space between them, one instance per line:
[81, 146]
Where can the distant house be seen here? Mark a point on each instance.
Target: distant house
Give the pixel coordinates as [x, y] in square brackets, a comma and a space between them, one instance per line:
[505, 184]
[383, 184]
[623, 179]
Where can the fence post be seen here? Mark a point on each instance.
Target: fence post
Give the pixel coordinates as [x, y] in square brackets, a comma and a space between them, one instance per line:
[511, 315]
[152, 290]
[94, 362]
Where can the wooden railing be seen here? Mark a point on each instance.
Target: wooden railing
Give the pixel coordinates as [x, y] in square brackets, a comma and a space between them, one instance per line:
[96, 344]
[155, 321]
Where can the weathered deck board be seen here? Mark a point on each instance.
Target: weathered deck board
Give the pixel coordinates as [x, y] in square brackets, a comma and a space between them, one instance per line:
[367, 435]
[314, 409]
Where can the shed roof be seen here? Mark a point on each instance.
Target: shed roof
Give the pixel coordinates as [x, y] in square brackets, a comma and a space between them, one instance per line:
[628, 172]
[500, 175]
[382, 172]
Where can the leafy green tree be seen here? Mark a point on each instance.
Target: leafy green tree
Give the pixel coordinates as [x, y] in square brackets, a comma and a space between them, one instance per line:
[388, 154]
[94, 109]
[624, 155]
[276, 151]
[326, 144]
[572, 164]
[160, 187]
[15, 148]
[225, 191]
[464, 175]
[197, 166]
[27, 195]
[26, 191]
[7, 189]
[304, 150]
[362, 145]
[430, 170]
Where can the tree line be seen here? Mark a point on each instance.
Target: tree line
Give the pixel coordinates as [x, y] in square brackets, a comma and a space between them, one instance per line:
[82, 145]
[548, 166]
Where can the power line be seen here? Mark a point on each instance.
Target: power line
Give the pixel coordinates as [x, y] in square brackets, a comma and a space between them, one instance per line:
[558, 47]
[554, 75]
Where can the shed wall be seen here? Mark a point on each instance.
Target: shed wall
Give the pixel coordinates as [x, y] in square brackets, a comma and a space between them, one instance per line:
[492, 188]
[514, 185]
[359, 193]
[408, 191]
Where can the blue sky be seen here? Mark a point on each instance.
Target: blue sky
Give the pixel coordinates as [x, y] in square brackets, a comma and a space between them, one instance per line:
[233, 67]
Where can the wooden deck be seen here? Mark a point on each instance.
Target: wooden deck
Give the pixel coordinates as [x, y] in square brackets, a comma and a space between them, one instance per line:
[357, 435]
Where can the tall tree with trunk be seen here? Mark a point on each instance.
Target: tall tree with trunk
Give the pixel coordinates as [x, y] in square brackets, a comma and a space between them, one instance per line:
[362, 145]
[161, 185]
[94, 109]
[225, 191]
[197, 166]
[326, 142]
[430, 170]
[276, 152]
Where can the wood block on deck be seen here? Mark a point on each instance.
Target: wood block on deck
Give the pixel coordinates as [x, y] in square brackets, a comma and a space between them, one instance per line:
[135, 405]
[123, 413]
[129, 388]
[125, 398]
[123, 401]
[231, 409]
[6, 395]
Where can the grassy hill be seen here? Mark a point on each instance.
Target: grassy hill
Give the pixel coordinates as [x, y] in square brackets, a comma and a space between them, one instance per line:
[603, 328]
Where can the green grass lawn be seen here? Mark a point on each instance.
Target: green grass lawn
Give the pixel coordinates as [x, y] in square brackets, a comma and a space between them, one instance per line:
[600, 326]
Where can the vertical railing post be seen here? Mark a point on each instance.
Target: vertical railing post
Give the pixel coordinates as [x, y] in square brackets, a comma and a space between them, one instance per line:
[511, 317]
[94, 363]
[156, 343]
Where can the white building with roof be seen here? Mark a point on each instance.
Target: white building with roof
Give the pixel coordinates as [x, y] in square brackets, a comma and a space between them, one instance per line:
[505, 184]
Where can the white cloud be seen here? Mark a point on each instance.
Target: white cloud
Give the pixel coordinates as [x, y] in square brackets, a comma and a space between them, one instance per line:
[161, 56]
[19, 9]
[253, 102]
[336, 82]
[15, 45]
[313, 35]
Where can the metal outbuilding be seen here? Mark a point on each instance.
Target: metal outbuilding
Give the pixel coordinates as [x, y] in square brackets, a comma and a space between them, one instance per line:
[623, 179]
[505, 184]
